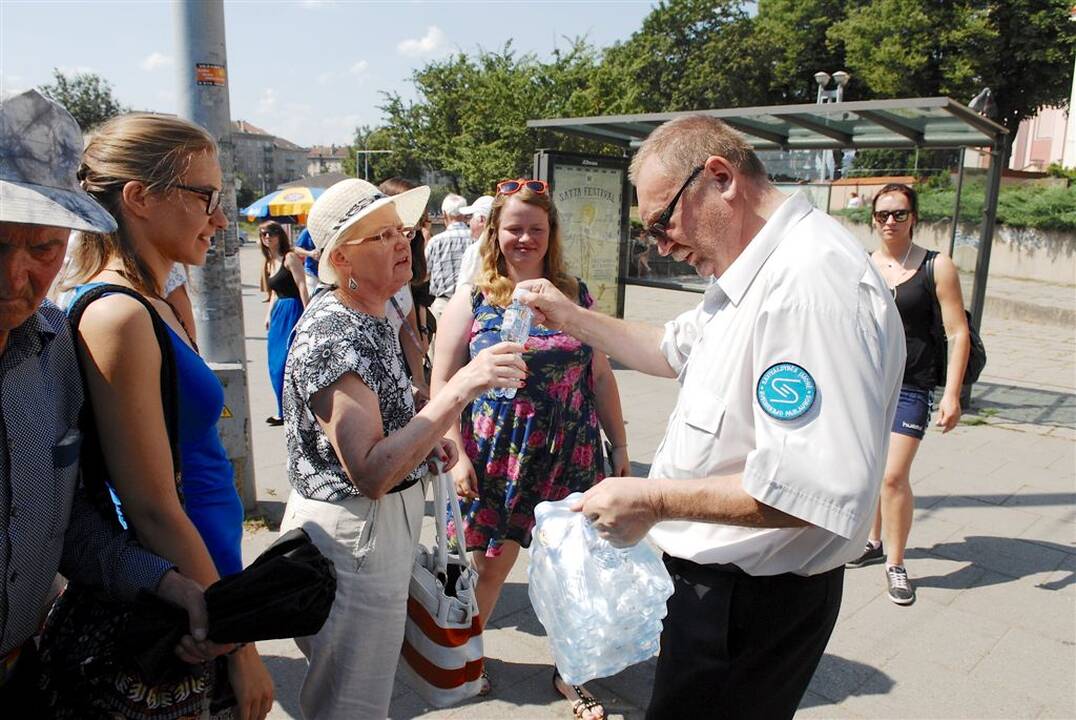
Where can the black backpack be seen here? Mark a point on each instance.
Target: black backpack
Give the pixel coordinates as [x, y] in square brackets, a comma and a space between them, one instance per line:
[977, 354]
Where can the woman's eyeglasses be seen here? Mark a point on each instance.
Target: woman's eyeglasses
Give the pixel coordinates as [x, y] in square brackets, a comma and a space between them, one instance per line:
[882, 216]
[510, 187]
[211, 195]
[407, 232]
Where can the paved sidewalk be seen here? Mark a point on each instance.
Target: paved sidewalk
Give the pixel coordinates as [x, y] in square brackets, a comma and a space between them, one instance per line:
[992, 552]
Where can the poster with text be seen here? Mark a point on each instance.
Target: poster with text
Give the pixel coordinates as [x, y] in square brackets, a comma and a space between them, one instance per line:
[590, 203]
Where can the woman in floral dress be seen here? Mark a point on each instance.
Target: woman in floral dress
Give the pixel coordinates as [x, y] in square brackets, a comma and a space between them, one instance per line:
[545, 443]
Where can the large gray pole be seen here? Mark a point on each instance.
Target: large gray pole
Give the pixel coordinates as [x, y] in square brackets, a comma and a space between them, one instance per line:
[202, 74]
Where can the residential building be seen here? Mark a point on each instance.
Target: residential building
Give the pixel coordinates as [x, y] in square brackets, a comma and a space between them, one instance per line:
[263, 159]
[326, 159]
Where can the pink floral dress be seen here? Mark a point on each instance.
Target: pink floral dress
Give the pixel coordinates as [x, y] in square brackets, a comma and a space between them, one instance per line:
[543, 444]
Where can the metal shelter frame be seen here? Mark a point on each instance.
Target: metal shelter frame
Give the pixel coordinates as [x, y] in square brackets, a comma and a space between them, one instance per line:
[903, 124]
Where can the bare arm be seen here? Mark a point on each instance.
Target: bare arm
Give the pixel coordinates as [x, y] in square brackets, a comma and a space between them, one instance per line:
[451, 355]
[123, 365]
[295, 265]
[947, 285]
[635, 345]
[625, 508]
[610, 413]
[349, 412]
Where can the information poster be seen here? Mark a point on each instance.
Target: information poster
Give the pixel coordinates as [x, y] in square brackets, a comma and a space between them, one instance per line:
[590, 202]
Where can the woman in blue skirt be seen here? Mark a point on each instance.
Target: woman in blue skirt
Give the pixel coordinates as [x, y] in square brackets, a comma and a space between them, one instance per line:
[284, 277]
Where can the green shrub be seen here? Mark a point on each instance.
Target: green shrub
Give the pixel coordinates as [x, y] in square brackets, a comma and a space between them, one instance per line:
[1020, 206]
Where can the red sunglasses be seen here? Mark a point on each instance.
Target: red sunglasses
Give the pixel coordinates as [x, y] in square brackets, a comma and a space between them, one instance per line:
[509, 187]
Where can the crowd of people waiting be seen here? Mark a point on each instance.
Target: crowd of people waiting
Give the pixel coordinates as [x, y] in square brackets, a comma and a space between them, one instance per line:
[752, 521]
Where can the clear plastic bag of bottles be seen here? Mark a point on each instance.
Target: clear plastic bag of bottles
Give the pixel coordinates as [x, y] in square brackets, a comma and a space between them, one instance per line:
[601, 606]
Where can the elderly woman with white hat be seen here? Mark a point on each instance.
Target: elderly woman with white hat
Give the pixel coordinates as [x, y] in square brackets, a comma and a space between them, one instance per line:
[357, 451]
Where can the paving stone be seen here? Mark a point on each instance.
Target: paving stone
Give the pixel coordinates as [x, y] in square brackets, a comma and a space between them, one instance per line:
[1014, 557]
[1021, 660]
[921, 688]
[1021, 603]
[1057, 505]
[974, 513]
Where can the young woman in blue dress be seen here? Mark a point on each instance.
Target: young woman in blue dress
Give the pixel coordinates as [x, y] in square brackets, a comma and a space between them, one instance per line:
[161, 179]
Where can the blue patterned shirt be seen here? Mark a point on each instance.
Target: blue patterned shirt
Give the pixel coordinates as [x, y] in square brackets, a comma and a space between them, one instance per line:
[46, 522]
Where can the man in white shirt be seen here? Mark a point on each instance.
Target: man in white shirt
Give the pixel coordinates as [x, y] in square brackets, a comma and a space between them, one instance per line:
[767, 478]
[479, 212]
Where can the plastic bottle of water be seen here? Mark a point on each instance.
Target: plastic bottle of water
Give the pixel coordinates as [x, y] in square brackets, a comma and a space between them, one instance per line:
[601, 605]
[516, 328]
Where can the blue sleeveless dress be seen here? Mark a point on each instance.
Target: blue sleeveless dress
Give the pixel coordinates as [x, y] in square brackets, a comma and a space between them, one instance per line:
[210, 497]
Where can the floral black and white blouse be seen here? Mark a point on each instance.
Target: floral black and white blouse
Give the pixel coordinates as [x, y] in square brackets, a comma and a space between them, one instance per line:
[331, 340]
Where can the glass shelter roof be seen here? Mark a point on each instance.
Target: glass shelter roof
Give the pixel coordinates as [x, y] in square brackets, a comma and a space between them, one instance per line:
[937, 122]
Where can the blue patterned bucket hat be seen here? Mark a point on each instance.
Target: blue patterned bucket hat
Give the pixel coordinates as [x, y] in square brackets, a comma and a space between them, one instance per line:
[40, 150]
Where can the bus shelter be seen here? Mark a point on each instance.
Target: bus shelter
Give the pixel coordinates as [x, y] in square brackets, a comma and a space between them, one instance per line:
[593, 194]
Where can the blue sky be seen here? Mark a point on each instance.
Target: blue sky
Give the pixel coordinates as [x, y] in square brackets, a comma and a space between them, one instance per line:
[307, 70]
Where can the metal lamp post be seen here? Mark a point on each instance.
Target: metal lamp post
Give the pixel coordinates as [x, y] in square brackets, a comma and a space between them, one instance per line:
[827, 96]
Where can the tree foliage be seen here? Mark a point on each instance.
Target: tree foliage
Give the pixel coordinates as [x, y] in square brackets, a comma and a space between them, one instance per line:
[87, 96]
[1021, 49]
[468, 120]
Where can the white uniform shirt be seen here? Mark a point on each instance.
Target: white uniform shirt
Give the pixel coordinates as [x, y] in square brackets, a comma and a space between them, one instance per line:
[802, 292]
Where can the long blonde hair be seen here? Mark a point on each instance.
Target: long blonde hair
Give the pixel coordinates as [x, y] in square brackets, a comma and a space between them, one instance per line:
[493, 278]
[152, 149]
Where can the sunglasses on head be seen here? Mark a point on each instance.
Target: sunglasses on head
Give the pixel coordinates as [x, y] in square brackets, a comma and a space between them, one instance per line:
[881, 216]
[508, 187]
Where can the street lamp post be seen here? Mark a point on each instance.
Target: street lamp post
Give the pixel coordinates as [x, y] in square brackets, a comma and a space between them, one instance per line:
[366, 160]
[830, 96]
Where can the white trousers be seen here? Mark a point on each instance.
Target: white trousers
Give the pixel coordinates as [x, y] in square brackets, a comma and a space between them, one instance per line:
[352, 660]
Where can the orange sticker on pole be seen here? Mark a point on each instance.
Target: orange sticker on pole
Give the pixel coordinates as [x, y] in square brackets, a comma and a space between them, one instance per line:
[207, 74]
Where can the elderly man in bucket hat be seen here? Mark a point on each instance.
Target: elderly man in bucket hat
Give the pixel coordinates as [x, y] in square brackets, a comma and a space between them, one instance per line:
[46, 523]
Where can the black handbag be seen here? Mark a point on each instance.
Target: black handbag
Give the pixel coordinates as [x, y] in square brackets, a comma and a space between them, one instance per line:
[977, 353]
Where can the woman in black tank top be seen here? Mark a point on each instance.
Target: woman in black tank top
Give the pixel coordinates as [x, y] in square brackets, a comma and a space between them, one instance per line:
[903, 265]
[283, 277]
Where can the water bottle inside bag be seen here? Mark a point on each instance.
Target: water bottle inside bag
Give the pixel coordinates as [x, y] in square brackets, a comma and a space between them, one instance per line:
[601, 606]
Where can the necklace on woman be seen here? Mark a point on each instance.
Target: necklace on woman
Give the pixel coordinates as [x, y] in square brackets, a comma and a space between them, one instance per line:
[905, 258]
[156, 296]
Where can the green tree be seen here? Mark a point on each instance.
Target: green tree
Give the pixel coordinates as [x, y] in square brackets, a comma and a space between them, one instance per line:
[87, 96]
[688, 55]
[1021, 49]
[791, 40]
[469, 120]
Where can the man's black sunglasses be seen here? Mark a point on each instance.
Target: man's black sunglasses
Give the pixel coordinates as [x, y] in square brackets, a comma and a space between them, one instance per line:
[658, 230]
[211, 195]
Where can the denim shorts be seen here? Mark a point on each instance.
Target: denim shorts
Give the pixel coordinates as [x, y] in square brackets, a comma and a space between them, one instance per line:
[913, 412]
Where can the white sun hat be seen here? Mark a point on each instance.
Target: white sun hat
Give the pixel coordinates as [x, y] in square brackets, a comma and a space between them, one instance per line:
[348, 202]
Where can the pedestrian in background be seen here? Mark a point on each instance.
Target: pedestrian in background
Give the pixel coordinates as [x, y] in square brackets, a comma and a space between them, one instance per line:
[903, 264]
[283, 275]
[445, 251]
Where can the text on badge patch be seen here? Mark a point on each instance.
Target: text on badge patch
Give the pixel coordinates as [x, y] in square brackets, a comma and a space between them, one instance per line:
[786, 391]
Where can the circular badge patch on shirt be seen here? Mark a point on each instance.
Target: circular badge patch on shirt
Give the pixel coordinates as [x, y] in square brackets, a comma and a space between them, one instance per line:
[786, 391]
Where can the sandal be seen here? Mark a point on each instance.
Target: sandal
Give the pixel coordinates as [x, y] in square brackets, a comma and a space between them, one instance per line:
[583, 701]
[487, 686]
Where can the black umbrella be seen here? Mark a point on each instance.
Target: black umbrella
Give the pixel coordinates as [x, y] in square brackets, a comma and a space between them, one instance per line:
[287, 592]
